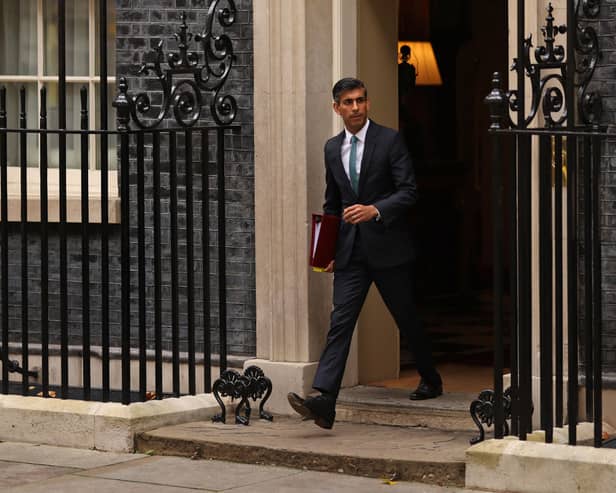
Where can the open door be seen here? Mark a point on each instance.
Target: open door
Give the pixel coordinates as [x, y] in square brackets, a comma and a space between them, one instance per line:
[444, 122]
[377, 335]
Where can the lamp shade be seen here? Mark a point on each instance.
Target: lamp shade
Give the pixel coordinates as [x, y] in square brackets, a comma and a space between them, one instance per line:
[422, 57]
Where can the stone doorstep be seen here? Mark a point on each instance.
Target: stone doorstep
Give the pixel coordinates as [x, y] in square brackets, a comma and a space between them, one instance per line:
[390, 416]
[413, 454]
[106, 426]
[391, 406]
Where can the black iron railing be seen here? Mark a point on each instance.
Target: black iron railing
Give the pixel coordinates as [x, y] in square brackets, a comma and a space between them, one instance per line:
[567, 157]
[163, 239]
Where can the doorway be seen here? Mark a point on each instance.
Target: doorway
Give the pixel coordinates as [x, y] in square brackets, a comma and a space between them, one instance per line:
[445, 126]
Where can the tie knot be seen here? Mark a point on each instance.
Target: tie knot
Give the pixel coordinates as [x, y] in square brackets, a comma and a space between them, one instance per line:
[354, 139]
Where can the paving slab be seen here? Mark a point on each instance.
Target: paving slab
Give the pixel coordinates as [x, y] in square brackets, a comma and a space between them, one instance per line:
[325, 482]
[61, 456]
[182, 475]
[80, 484]
[201, 474]
[414, 454]
[15, 473]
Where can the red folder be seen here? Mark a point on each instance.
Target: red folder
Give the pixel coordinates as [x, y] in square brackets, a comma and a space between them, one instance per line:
[323, 242]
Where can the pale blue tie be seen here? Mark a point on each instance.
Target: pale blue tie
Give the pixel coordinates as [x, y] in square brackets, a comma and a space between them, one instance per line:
[353, 176]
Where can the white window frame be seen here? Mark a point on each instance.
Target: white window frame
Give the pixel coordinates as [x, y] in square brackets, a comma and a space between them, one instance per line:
[73, 175]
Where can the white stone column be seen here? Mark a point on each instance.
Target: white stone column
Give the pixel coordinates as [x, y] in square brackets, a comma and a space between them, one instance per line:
[293, 77]
[301, 48]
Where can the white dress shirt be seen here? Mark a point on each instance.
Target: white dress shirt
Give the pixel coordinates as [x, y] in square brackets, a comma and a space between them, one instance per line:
[345, 150]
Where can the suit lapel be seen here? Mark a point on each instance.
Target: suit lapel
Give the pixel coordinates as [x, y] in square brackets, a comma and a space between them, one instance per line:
[366, 159]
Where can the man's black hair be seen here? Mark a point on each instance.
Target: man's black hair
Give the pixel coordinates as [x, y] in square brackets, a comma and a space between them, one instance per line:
[347, 84]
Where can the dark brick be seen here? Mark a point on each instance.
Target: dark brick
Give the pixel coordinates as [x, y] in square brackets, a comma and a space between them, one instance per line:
[140, 24]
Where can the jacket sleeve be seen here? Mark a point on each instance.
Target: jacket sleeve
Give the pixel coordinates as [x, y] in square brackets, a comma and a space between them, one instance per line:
[333, 202]
[404, 196]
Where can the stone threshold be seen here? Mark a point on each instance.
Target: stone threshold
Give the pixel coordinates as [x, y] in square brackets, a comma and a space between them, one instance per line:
[107, 426]
[391, 406]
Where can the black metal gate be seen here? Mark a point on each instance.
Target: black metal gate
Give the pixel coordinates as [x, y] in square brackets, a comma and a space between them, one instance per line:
[162, 169]
[561, 155]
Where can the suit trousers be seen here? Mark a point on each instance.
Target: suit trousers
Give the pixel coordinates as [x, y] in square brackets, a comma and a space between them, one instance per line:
[351, 286]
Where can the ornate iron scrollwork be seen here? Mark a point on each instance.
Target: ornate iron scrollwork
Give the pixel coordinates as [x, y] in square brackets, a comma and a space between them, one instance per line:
[547, 76]
[550, 57]
[587, 49]
[253, 384]
[482, 412]
[184, 97]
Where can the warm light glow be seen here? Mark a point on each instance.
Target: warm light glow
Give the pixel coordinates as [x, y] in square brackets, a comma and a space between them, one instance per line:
[422, 57]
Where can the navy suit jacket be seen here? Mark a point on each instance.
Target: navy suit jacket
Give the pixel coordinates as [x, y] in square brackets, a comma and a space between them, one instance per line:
[387, 181]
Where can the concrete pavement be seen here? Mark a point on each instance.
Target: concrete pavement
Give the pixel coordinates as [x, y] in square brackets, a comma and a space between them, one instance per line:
[27, 468]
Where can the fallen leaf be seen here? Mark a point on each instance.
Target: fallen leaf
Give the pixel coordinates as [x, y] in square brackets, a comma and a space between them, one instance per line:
[605, 435]
[149, 452]
[150, 396]
[392, 479]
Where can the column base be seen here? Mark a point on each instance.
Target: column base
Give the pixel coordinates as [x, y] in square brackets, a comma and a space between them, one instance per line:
[536, 396]
[286, 377]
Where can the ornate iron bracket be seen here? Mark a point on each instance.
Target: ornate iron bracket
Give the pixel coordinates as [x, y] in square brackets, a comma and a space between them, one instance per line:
[547, 76]
[482, 412]
[253, 384]
[14, 367]
[184, 97]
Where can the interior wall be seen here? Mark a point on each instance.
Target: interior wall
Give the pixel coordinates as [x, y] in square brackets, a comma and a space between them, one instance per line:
[378, 339]
[484, 52]
[344, 32]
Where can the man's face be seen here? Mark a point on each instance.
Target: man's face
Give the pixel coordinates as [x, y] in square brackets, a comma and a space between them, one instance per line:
[353, 108]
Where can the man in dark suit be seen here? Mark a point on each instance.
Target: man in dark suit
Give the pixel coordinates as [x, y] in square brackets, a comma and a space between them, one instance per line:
[370, 183]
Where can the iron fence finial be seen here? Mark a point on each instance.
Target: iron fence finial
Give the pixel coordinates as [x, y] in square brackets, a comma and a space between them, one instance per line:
[122, 104]
[497, 102]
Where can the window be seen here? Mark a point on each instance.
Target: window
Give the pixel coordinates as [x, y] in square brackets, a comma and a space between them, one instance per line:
[29, 58]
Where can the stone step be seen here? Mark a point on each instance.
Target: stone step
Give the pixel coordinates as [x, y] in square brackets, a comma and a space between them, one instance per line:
[408, 454]
[391, 406]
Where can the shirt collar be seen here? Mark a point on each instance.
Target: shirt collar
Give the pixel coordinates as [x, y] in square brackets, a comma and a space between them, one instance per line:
[361, 135]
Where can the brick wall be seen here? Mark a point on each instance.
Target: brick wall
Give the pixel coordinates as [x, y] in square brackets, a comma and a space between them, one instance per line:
[604, 83]
[140, 24]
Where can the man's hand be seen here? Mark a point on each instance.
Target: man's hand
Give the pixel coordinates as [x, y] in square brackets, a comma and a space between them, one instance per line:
[358, 213]
[330, 267]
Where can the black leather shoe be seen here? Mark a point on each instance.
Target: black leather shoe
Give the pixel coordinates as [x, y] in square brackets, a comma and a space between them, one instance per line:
[426, 391]
[321, 409]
